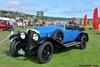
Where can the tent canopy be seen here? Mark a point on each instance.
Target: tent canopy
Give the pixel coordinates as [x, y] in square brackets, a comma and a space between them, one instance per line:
[7, 19]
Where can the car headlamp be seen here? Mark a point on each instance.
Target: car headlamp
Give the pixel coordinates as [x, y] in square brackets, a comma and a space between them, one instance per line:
[22, 35]
[35, 36]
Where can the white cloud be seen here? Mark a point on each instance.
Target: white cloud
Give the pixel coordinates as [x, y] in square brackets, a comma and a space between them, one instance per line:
[14, 2]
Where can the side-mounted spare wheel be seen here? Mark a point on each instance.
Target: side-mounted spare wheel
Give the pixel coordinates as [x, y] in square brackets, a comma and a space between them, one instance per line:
[45, 52]
[58, 36]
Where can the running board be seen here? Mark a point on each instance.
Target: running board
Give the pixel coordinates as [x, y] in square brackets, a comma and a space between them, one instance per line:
[71, 44]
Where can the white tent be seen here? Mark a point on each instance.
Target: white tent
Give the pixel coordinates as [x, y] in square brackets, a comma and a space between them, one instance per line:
[10, 20]
[7, 19]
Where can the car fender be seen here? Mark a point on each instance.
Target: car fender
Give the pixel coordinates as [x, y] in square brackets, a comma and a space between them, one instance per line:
[83, 33]
[54, 42]
[14, 37]
[45, 39]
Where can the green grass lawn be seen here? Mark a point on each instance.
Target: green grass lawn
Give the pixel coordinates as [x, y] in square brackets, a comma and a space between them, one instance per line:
[72, 57]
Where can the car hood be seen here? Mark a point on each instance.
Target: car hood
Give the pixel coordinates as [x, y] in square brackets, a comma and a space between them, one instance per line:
[47, 29]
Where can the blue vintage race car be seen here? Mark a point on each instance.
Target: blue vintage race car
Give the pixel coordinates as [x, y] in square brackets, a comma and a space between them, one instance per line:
[42, 41]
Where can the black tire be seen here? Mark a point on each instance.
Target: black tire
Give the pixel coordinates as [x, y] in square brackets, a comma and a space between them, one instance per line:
[83, 40]
[58, 36]
[45, 52]
[14, 48]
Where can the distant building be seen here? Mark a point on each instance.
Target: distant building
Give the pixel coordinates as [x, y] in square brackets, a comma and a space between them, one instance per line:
[40, 13]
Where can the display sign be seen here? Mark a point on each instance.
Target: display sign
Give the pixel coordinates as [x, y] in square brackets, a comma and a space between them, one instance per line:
[40, 13]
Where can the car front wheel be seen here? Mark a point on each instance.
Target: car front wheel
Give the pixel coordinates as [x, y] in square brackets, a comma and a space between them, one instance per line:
[14, 47]
[45, 52]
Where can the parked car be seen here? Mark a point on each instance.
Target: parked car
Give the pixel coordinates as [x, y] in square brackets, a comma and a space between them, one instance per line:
[6, 23]
[42, 41]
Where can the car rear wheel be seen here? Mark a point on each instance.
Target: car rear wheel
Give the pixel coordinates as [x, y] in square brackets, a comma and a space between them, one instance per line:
[83, 40]
[45, 52]
[14, 47]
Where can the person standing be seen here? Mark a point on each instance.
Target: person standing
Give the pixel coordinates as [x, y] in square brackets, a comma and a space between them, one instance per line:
[11, 24]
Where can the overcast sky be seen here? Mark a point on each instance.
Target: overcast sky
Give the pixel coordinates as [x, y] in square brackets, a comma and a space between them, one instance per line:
[56, 8]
